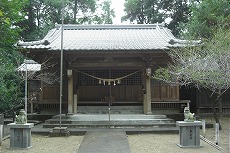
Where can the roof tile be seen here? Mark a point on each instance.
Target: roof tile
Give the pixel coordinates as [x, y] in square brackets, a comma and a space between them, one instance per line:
[106, 37]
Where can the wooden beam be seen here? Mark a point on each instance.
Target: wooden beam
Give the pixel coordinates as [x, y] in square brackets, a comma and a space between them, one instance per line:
[105, 64]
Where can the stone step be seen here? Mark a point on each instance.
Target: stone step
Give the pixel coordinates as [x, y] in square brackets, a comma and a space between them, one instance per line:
[131, 123]
[106, 125]
[117, 120]
[99, 117]
[38, 129]
[113, 109]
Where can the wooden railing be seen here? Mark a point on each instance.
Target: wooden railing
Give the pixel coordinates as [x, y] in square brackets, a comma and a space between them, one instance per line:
[170, 104]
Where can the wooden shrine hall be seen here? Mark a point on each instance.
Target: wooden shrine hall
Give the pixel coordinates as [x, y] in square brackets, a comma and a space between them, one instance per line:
[103, 65]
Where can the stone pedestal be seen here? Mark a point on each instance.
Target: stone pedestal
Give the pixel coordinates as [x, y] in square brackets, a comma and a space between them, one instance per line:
[20, 135]
[189, 133]
[59, 132]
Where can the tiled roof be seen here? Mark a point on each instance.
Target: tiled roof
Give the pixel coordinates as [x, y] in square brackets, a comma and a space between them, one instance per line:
[107, 37]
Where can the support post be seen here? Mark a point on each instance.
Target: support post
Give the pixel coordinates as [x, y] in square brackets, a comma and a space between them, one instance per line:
[1, 133]
[26, 90]
[203, 127]
[147, 101]
[229, 140]
[75, 103]
[144, 103]
[31, 107]
[217, 133]
[70, 91]
[1, 127]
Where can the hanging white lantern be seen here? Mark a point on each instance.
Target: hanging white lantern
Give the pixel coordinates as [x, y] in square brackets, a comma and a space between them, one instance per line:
[118, 81]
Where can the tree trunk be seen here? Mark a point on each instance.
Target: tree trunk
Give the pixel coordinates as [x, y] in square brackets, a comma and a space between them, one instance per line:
[75, 11]
[30, 17]
[215, 113]
[38, 19]
[220, 106]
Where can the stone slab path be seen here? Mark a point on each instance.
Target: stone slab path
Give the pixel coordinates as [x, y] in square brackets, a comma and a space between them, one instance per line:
[105, 142]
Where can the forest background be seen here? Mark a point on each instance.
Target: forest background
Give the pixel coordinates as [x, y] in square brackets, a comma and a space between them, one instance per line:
[30, 20]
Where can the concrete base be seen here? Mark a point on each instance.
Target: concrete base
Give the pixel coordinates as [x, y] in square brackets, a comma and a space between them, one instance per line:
[149, 113]
[189, 134]
[59, 132]
[189, 146]
[20, 135]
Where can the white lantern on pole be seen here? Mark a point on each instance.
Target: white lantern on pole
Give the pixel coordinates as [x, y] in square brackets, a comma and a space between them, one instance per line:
[29, 67]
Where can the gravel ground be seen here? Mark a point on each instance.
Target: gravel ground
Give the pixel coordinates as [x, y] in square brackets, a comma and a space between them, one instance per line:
[167, 143]
[45, 144]
[139, 143]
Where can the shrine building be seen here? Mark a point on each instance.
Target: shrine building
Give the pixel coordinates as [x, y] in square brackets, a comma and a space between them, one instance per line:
[103, 65]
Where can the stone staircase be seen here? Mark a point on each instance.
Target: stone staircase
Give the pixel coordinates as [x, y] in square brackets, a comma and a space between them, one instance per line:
[112, 121]
[113, 109]
[130, 118]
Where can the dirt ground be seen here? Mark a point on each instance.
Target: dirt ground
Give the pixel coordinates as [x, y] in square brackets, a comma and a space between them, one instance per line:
[139, 143]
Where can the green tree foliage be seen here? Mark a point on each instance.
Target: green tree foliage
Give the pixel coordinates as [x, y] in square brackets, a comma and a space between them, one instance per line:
[207, 17]
[179, 12]
[10, 14]
[84, 7]
[107, 13]
[10, 82]
[153, 11]
[204, 67]
[42, 15]
[143, 11]
[10, 88]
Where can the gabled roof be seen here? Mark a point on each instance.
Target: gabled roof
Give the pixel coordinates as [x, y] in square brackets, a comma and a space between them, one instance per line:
[107, 37]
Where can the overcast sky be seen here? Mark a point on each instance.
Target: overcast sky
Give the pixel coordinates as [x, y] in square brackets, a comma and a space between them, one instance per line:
[118, 6]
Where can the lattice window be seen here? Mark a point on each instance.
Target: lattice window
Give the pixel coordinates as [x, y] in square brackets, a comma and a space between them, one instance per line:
[34, 85]
[134, 79]
[84, 80]
[100, 74]
[156, 82]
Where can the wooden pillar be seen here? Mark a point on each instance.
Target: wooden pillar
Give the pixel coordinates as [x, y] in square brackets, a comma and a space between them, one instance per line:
[70, 91]
[147, 96]
[41, 94]
[31, 107]
[144, 103]
[75, 100]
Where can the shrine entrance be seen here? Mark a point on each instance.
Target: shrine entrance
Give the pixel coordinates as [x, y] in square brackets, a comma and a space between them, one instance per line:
[109, 87]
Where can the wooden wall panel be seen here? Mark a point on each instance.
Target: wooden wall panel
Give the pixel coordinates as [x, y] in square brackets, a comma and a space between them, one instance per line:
[202, 99]
[120, 93]
[93, 93]
[52, 93]
[156, 93]
[164, 93]
[133, 93]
